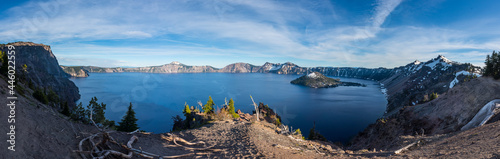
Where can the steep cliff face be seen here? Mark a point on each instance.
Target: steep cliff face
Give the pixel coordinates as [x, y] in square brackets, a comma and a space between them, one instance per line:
[75, 71]
[42, 69]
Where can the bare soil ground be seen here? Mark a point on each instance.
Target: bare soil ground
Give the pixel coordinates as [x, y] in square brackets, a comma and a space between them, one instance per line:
[40, 132]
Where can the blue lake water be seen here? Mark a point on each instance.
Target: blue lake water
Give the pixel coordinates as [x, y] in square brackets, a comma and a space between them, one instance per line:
[340, 112]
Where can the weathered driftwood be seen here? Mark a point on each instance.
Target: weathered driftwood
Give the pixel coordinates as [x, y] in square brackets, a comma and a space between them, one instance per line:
[101, 149]
[406, 148]
[97, 150]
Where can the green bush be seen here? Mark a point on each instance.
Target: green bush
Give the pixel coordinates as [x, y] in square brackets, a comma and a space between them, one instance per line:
[298, 132]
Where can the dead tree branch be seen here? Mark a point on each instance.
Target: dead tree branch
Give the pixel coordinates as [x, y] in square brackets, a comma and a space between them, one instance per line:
[256, 108]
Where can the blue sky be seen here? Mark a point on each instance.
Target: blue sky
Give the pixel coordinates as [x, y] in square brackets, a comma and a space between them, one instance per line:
[376, 33]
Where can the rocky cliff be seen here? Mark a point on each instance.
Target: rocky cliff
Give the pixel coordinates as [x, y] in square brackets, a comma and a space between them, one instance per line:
[75, 71]
[36, 64]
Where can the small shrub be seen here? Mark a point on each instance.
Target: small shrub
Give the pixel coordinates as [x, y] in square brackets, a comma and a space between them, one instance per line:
[236, 116]
[298, 132]
[434, 96]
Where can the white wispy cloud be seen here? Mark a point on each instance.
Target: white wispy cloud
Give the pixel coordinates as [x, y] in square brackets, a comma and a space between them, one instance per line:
[236, 28]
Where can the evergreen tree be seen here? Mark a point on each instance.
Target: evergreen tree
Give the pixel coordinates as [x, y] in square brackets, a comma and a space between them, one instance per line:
[128, 122]
[97, 110]
[186, 111]
[40, 96]
[52, 96]
[488, 68]
[187, 114]
[208, 108]
[79, 113]
[65, 110]
[314, 135]
[231, 108]
[492, 67]
[4, 69]
[496, 65]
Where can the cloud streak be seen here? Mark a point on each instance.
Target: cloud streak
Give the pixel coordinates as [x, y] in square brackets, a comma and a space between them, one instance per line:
[313, 31]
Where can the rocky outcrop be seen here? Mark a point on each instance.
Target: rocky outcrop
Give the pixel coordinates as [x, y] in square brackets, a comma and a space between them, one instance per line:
[318, 80]
[75, 71]
[36, 64]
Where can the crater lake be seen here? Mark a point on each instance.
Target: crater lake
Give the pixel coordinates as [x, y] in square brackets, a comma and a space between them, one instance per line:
[339, 113]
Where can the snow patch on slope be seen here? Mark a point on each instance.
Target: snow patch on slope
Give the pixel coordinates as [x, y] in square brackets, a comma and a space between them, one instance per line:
[275, 67]
[455, 81]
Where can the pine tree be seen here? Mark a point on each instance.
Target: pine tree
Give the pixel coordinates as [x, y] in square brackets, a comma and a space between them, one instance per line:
[97, 110]
[78, 113]
[488, 67]
[231, 106]
[128, 123]
[65, 110]
[186, 111]
[492, 67]
[208, 108]
[40, 96]
[496, 65]
[4, 69]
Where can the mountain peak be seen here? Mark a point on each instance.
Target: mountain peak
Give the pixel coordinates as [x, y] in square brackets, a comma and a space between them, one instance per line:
[416, 62]
[175, 63]
[442, 58]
